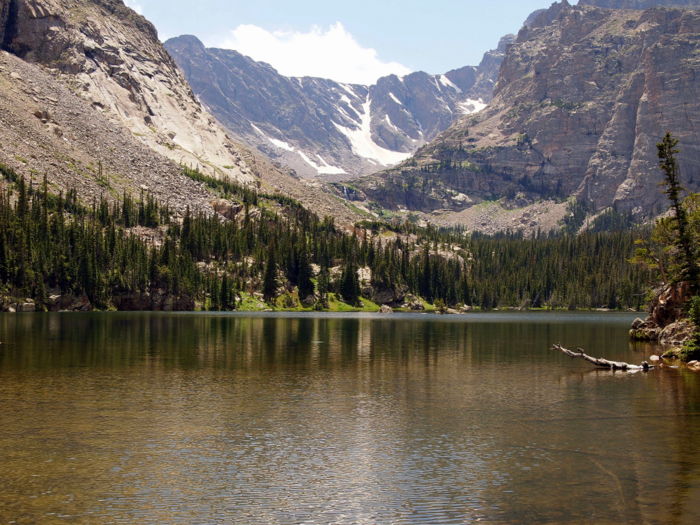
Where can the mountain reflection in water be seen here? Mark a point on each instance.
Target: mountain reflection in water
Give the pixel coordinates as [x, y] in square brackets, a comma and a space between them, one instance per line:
[198, 418]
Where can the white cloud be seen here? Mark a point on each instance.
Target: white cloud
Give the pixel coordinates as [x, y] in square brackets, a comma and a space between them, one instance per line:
[327, 53]
[134, 5]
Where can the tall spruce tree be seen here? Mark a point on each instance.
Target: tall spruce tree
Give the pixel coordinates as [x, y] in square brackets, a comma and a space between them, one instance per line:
[687, 264]
[306, 285]
[349, 285]
[270, 278]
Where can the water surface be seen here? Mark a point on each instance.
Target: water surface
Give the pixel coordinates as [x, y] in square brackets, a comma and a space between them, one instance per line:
[355, 419]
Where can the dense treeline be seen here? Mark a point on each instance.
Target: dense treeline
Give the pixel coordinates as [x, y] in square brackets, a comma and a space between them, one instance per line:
[109, 251]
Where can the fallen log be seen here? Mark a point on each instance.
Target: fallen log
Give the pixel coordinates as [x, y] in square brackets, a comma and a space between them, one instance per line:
[600, 362]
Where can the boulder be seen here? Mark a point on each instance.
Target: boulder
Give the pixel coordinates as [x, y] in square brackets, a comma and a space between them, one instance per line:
[391, 295]
[413, 303]
[386, 309]
[227, 209]
[677, 333]
[27, 306]
[647, 331]
[309, 301]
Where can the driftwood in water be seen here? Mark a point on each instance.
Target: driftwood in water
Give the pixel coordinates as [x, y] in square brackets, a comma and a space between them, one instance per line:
[600, 362]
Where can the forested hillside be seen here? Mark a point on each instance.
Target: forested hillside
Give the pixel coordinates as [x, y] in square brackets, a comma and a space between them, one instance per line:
[264, 250]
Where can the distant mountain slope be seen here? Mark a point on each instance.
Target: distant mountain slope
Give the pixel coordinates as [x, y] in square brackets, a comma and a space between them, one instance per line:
[111, 58]
[583, 97]
[328, 129]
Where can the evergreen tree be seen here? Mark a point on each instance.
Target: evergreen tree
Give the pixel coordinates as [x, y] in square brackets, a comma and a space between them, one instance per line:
[323, 286]
[349, 285]
[270, 278]
[306, 285]
[687, 264]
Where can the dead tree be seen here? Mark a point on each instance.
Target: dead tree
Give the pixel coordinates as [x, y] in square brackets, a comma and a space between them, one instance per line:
[600, 362]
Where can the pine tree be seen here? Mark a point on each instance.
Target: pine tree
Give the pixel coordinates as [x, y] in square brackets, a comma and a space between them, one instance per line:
[688, 267]
[306, 286]
[349, 285]
[323, 286]
[270, 278]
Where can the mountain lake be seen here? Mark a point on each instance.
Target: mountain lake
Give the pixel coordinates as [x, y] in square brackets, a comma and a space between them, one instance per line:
[154, 418]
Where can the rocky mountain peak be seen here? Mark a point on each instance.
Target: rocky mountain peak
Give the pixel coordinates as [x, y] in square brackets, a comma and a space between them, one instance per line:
[327, 129]
[584, 95]
[641, 4]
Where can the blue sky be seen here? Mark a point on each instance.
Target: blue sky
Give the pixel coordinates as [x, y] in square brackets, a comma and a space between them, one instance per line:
[428, 35]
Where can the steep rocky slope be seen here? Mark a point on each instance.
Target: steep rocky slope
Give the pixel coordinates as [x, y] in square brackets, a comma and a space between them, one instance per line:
[112, 57]
[46, 129]
[583, 96]
[326, 129]
[101, 55]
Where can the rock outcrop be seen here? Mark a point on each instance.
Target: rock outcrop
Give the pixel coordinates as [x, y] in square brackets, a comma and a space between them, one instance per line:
[111, 56]
[584, 95]
[667, 322]
[326, 129]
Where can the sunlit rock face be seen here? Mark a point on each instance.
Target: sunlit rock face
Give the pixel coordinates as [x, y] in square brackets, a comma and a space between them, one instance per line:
[584, 95]
[108, 59]
[114, 59]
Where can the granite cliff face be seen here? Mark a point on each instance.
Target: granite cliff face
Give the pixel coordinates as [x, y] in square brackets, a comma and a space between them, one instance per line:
[326, 129]
[111, 57]
[584, 95]
[113, 78]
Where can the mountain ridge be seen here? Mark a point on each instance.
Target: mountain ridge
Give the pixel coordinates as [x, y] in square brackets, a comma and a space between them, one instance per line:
[583, 96]
[327, 129]
[640, 4]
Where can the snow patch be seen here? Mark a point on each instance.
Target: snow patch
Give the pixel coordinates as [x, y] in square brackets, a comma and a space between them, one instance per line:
[281, 144]
[391, 124]
[395, 99]
[345, 100]
[445, 81]
[324, 168]
[364, 146]
[471, 106]
[345, 113]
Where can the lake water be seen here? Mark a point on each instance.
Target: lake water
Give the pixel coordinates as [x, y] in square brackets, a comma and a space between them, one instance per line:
[325, 419]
